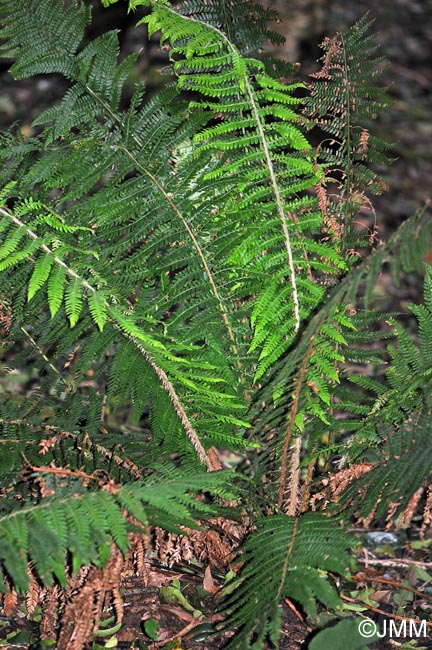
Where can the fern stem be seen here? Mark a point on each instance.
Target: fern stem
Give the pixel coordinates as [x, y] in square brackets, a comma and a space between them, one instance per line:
[288, 435]
[197, 247]
[44, 356]
[307, 486]
[278, 198]
[178, 407]
[280, 207]
[349, 162]
[63, 471]
[46, 249]
[45, 504]
[188, 229]
[287, 559]
[162, 376]
[294, 482]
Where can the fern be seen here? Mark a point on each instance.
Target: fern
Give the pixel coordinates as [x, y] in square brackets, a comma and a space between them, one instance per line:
[298, 554]
[187, 255]
[252, 144]
[400, 464]
[343, 103]
[84, 523]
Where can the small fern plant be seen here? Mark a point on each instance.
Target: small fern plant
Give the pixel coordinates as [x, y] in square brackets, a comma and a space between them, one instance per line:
[182, 259]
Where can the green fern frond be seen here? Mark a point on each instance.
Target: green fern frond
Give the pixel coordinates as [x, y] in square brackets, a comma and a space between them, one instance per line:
[176, 254]
[83, 523]
[298, 554]
[403, 466]
[55, 53]
[254, 118]
[61, 525]
[402, 469]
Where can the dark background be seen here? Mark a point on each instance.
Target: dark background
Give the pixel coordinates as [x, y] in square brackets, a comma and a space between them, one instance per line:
[404, 31]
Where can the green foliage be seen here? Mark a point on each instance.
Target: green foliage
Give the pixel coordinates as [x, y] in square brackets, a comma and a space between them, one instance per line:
[399, 422]
[342, 636]
[298, 554]
[184, 253]
[259, 148]
[84, 523]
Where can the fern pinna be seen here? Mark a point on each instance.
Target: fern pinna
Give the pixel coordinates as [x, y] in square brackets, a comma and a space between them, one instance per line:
[184, 252]
[343, 102]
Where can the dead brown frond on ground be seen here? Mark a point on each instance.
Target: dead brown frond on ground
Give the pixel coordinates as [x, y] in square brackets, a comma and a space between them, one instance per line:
[85, 598]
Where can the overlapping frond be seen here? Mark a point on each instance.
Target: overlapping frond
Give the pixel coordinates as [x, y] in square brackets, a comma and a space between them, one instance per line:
[258, 145]
[83, 523]
[162, 251]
